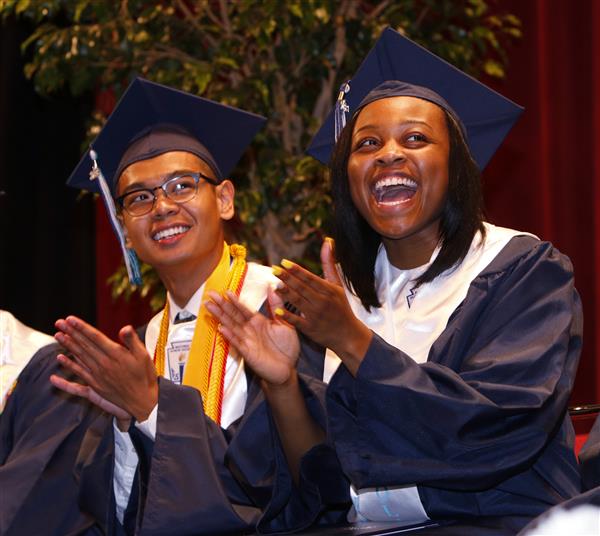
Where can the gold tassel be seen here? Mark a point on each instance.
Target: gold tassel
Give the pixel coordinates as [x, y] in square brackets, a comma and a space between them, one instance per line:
[205, 369]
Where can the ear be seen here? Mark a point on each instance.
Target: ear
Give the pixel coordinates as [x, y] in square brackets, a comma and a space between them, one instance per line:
[124, 228]
[225, 192]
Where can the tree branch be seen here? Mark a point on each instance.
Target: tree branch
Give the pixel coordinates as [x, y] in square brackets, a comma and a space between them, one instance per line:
[421, 17]
[211, 15]
[345, 12]
[166, 51]
[225, 17]
[189, 16]
[378, 9]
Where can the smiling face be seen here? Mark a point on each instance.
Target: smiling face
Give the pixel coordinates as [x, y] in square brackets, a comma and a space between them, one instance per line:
[398, 174]
[172, 237]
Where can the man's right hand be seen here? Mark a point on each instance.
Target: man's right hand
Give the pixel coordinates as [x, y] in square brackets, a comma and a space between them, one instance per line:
[119, 378]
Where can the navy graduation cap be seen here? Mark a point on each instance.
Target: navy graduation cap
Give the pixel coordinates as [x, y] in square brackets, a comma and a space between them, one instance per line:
[223, 130]
[485, 115]
[151, 119]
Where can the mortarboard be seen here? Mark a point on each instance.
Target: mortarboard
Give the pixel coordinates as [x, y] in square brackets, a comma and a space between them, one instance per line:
[486, 115]
[153, 119]
[224, 131]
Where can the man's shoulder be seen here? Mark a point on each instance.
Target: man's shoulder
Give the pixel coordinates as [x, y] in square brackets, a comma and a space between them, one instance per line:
[259, 275]
[259, 279]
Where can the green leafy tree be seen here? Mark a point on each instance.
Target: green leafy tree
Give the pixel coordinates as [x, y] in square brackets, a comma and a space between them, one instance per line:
[282, 59]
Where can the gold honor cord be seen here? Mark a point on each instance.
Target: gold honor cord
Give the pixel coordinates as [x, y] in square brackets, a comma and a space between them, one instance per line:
[205, 369]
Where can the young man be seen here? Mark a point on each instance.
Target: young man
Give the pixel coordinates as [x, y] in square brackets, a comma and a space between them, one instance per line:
[191, 449]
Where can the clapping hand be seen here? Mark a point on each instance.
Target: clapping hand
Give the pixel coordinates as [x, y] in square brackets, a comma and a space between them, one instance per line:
[118, 377]
[269, 346]
[322, 309]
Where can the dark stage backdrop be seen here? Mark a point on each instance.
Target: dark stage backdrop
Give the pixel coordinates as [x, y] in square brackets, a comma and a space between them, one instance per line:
[47, 265]
[545, 179]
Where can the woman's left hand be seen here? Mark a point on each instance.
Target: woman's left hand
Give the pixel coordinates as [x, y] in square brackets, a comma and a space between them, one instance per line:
[323, 311]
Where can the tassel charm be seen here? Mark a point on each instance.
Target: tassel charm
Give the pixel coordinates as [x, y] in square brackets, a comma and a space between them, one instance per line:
[341, 109]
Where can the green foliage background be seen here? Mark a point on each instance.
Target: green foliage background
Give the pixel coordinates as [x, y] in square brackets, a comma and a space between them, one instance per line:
[282, 59]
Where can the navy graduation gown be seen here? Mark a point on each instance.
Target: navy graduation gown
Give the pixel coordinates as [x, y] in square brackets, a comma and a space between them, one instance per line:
[41, 433]
[481, 428]
[196, 478]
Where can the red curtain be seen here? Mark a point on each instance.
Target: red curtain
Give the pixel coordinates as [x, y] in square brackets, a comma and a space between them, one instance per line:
[545, 179]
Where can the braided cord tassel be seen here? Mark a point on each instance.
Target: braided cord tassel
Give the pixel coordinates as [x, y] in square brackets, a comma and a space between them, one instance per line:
[205, 369]
[161, 343]
[214, 401]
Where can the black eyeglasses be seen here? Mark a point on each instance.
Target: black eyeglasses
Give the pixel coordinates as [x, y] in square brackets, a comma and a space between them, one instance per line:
[180, 189]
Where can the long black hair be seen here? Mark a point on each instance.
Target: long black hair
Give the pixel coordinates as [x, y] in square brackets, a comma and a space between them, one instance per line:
[356, 243]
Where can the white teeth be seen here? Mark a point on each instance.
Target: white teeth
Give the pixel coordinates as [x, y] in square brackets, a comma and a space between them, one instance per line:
[395, 181]
[166, 233]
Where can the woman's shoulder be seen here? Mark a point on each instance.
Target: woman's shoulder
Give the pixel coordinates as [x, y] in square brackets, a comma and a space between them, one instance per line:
[523, 251]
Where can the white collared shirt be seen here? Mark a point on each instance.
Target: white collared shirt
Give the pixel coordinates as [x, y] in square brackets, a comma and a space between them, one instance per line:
[254, 292]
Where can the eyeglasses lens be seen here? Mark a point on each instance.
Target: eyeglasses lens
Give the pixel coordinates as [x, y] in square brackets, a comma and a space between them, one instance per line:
[178, 189]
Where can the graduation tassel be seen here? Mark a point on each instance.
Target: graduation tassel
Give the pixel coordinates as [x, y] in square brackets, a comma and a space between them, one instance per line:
[131, 261]
[341, 109]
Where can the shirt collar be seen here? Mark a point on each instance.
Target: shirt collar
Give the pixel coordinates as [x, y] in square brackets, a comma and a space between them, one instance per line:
[388, 277]
[192, 306]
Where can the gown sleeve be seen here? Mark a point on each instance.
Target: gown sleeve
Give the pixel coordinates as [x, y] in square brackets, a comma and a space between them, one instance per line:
[181, 486]
[41, 432]
[197, 478]
[491, 396]
[186, 487]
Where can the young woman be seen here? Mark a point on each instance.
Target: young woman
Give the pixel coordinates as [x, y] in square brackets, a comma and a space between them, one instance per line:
[458, 340]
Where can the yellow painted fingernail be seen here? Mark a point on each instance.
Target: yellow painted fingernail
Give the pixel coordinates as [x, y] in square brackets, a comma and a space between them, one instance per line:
[330, 241]
[276, 270]
[286, 264]
[279, 311]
